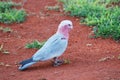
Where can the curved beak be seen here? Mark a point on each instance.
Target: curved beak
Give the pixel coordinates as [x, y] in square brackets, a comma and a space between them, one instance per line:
[70, 26]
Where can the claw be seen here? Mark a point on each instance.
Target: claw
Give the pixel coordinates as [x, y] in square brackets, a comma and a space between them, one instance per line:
[57, 62]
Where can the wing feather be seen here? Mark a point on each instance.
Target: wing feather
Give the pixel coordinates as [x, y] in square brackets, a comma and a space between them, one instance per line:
[54, 47]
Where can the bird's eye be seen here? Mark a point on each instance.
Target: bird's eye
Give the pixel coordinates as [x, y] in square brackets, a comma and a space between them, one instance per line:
[69, 24]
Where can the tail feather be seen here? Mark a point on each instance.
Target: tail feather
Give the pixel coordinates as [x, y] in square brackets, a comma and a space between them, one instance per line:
[26, 63]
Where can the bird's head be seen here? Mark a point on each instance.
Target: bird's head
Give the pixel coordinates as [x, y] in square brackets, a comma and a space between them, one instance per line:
[66, 24]
[64, 27]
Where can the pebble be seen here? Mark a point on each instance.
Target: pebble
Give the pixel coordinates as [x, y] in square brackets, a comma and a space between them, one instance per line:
[88, 45]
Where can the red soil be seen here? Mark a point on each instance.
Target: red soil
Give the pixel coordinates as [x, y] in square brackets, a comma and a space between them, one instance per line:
[83, 52]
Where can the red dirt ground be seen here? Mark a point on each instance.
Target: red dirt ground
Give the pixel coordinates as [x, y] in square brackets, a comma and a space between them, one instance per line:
[83, 52]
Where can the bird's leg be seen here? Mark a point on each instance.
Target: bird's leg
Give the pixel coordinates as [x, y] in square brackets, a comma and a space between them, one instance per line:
[57, 62]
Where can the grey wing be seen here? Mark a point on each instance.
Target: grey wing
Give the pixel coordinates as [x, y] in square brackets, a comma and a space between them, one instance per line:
[54, 47]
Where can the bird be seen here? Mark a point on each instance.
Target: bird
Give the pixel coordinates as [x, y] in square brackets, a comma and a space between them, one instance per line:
[53, 48]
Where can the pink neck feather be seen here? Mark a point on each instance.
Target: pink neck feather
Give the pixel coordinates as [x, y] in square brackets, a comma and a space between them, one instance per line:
[64, 30]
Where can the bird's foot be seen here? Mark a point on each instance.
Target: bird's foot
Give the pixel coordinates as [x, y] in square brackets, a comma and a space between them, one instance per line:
[58, 62]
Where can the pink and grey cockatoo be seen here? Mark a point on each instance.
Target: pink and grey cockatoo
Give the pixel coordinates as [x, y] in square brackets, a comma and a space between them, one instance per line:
[53, 48]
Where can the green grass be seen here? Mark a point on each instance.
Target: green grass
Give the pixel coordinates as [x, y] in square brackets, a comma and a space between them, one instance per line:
[35, 44]
[9, 14]
[55, 8]
[100, 14]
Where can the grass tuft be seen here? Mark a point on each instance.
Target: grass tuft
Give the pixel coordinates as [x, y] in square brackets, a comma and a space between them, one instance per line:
[103, 15]
[8, 13]
[35, 44]
[55, 8]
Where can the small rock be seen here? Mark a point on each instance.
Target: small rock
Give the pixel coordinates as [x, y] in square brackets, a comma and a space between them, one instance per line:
[7, 65]
[106, 58]
[42, 17]
[77, 19]
[88, 45]
[2, 64]
[103, 59]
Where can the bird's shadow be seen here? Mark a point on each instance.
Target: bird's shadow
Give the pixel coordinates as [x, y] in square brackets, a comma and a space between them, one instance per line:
[40, 66]
[43, 65]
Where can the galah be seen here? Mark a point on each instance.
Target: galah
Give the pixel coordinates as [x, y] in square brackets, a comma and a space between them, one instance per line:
[53, 48]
